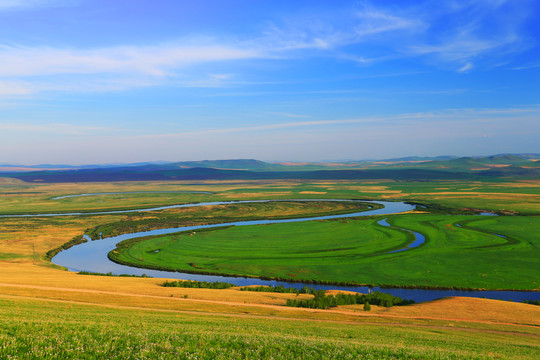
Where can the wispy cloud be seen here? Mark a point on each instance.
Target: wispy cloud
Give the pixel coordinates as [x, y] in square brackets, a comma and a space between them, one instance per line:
[452, 117]
[250, 129]
[372, 21]
[111, 69]
[32, 4]
[474, 32]
[332, 31]
[527, 67]
[365, 34]
[444, 132]
[289, 115]
[150, 60]
[8, 88]
[54, 128]
[463, 49]
[468, 66]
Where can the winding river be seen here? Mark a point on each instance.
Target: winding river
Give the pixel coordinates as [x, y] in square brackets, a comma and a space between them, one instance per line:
[92, 255]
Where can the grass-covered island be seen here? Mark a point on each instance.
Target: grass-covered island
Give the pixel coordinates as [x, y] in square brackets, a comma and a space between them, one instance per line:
[460, 251]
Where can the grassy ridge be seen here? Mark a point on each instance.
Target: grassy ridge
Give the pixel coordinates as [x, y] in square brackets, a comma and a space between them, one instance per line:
[33, 329]
[349, 250]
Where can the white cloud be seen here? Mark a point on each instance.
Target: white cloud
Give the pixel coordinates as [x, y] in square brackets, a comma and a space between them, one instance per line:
[463, 47]
[350, 35]
[331, 31]
[8, 88]
[527, 67]
[374, 21]
[468, 66]
[111, 69]
[150, 60]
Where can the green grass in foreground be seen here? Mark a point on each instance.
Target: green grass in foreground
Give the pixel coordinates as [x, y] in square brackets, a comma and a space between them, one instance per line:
[32, 329]
[356, 250]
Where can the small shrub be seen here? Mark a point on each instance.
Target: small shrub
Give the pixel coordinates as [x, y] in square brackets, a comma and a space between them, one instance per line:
[367, 307]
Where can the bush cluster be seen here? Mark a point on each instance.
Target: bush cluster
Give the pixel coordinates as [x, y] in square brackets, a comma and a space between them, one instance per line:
[198, 284]
[323, 301]
[111, 274]
[280, 289]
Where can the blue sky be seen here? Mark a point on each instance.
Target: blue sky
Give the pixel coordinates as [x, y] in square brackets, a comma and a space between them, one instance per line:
[101, 81]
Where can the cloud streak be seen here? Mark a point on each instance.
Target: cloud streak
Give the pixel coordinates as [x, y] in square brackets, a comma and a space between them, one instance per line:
[149, 60]
[54, 128]
[451, 117]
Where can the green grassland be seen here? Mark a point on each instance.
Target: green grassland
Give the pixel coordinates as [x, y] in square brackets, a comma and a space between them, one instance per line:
[83, 317]
[356, 250]
[36, 329]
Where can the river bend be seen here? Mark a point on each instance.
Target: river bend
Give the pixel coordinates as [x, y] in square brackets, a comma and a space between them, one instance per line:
[92, 255]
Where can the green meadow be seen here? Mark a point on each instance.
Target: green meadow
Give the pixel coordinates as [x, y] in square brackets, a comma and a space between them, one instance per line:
[461, 251]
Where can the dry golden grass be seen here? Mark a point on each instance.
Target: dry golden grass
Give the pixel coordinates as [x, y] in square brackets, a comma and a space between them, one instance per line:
[33, 237]
[27, 280]
[471, 309]
[31, 276]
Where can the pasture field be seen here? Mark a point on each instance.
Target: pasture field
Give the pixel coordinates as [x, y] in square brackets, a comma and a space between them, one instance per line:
[136, 321]
[46, 311]
[357, 250]
[16, 197]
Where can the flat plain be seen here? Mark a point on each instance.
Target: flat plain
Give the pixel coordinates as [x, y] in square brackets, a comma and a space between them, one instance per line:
[49, 312]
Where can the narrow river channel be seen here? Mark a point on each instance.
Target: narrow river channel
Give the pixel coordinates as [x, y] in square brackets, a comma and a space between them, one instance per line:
[92, 256]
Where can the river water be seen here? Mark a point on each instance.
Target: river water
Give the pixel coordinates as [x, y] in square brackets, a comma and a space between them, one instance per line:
[92, 256]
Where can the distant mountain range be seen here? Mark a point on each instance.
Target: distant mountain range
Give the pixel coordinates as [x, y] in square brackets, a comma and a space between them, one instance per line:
[406, 168]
